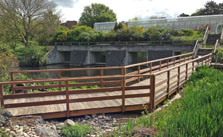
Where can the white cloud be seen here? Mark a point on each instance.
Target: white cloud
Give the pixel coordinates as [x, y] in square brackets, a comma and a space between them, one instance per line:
[127, 9]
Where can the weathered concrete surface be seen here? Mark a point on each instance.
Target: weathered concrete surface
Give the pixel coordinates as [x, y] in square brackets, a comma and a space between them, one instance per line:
[115, 55]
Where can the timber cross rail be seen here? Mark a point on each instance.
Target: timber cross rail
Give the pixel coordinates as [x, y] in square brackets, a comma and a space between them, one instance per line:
[153, 84]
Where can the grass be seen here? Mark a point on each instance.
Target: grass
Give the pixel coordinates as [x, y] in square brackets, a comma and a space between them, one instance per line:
[197, 114]
[78, 130]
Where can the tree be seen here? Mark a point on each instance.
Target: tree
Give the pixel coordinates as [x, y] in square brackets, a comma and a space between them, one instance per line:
[183, 15]
[23, 16]
[210, 8]
[96, 13]
[49, 25]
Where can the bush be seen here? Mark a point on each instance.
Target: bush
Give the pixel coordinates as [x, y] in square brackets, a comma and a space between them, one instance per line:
[219, 54]
[8, 61]
[79, 130]
[32, 56]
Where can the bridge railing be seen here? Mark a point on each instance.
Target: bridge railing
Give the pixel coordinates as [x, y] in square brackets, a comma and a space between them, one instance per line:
[139, 68]
[175, 77]
[155, 65]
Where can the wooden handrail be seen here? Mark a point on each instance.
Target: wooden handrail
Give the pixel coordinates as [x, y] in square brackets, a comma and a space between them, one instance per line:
[163, 71]
[206, 35]
[216, 46]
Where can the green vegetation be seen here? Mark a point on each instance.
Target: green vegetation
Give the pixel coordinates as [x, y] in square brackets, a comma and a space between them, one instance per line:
[96, 13]
[219, 54]
[210, 8]
[7, 61]
[79, 130]
[122, 33]
[198, 113]
[31, 56]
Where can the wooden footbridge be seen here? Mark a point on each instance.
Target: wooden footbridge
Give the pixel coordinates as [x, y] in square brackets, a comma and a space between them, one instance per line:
[138, 86]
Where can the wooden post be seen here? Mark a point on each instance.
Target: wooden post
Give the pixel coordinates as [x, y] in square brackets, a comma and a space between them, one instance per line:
[192, 66]
[168, 83]
[178, 79]
[168, 63]
[123, 88]
[12, 79]
[152, 92]
[160, 65]
[2, 97]
[138, 73]
[102, 80]
[150, 65]
[59, 76]
[186, 71]
[67, 100]
[180, 60]
[174, 61]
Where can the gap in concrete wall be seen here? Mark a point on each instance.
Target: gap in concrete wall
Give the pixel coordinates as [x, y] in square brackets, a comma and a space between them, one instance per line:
[66, 56]
[137, 57]
[98, 57]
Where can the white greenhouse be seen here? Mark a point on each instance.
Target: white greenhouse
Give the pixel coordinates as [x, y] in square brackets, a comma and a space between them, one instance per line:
[193, 22]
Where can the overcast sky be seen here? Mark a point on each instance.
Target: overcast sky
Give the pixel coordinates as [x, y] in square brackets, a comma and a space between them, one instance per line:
[128, 9]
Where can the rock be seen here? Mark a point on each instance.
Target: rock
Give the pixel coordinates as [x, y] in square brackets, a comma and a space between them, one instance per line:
[60, 125]
[46, 132]
[108, 130]
[6, 113]
[87, 117]
[2, 120]
[69, 122]
[25, 135]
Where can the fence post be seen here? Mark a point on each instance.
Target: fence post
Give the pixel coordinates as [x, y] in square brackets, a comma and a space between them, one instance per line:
[174, 61]
[152, 92]
[59, 75]
[186, 71]
[12, 79]
[123, 88]
[168, 83]
[67, 100]
[160, 64]
[178, 79]
[192, 66]
[102, 80]
[2, 97]
[138, 73]
[150, 65]
[168, 63]
[180, 60]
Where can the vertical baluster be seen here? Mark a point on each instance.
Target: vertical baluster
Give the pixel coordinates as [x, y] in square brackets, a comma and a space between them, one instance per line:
[102, 80]
[150, 65]
[59, 76]
[12, 79]
[67, 99]
[160, 62]
[123, 88]
[168, 83]
[152, 92]
[139, 73]
[178, 79]
[2, 97]
[186, 71]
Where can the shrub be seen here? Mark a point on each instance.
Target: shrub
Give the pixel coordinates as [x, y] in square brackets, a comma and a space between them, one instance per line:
[31, 56]
[7, 61]
[219, 54]
[79, 130]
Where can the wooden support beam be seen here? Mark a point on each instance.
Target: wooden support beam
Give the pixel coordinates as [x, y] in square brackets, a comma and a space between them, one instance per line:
[123, 88]
[102, 80]
[67, 100]
[152, 92]
[2, 95]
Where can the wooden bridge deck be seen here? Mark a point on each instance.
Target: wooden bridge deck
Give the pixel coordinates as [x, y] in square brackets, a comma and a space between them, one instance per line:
[167, 81]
